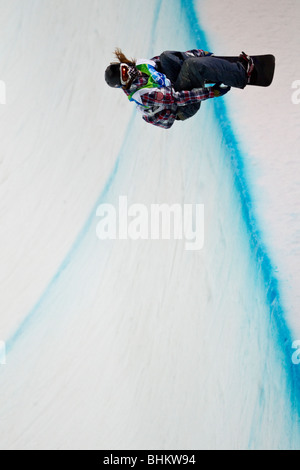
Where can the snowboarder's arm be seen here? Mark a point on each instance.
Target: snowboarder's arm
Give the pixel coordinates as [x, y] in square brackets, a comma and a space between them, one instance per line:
[198, 53]
[162, 96]
[183, 55]
[182, 98]
[156, 59]
[167, 96]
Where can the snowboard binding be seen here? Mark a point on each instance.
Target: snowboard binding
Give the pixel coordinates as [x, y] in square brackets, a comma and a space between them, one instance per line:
[261, 71]
[247, 63]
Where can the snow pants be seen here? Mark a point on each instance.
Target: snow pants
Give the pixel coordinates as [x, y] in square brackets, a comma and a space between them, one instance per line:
[186, 73]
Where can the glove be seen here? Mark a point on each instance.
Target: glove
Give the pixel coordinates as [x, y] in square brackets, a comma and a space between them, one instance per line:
[220, 90]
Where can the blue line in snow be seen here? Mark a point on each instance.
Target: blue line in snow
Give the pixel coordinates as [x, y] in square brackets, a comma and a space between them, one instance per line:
[31, 315]
[259, 250]
[34, 311]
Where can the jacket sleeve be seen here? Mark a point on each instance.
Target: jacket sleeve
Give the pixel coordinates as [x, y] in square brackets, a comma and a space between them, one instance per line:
[182, 55]
[162, 96]
[168, 97]
[182, 98]
[198, 53]
[156, 60]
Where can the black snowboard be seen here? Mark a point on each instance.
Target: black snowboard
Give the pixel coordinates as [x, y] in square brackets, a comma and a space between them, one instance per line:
[264, 67]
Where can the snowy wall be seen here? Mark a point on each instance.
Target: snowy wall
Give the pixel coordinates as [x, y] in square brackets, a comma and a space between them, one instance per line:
[128, 343]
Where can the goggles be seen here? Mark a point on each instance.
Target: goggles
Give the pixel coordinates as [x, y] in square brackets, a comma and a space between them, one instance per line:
[127, 73]
[124, 74]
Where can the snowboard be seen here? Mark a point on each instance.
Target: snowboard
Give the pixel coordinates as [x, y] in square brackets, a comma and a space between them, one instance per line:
[264, 68]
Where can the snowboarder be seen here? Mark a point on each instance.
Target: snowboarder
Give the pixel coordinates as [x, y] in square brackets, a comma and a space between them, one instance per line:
[171, 86]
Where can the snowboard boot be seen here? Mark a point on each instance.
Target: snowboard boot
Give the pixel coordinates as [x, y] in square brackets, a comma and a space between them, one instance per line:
[247, 63]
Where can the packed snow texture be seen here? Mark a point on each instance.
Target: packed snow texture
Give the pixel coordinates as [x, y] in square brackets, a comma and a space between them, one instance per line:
[125, 344]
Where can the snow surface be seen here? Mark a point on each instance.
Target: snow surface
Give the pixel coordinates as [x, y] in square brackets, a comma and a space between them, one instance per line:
[142, 344]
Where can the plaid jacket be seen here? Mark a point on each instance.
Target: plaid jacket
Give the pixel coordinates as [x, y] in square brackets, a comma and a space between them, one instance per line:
[159, 106]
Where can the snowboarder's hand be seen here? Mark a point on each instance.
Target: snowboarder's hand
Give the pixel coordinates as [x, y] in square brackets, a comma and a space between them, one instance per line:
[220, 90]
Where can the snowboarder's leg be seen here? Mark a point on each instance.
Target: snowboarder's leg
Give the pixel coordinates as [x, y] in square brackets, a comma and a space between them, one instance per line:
[170, 64]
[195, 72]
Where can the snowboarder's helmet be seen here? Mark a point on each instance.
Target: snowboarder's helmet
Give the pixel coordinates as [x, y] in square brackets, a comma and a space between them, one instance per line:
[119, 74]
[112, 75]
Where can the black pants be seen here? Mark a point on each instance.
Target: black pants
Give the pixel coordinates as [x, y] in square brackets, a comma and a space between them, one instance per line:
[171, 63]
[187, 72]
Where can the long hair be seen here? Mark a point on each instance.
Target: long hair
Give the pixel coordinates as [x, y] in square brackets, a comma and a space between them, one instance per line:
[131, 63]
[122, 57]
